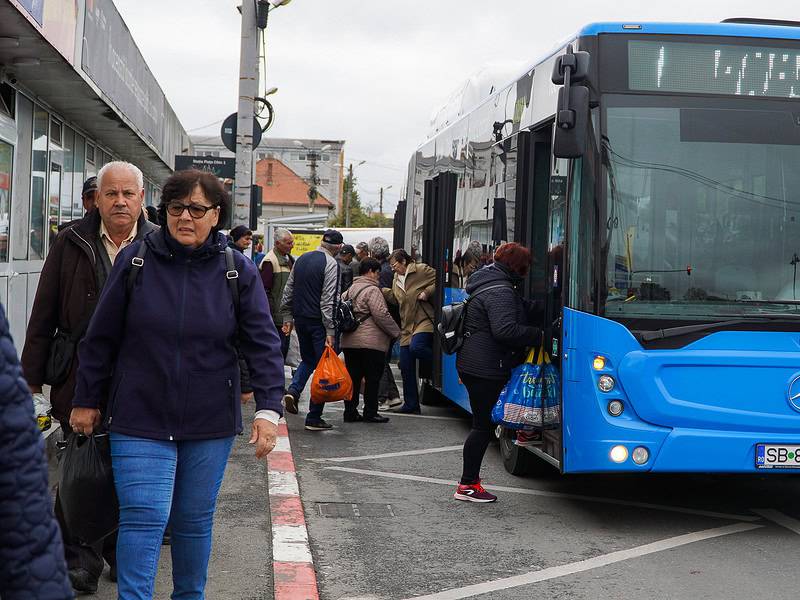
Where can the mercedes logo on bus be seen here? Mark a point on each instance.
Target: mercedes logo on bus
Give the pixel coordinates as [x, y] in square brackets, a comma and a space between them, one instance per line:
[794, 393]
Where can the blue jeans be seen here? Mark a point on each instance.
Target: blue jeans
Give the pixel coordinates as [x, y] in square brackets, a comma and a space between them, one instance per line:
[311, 335]
[420, 348]
[157, 482]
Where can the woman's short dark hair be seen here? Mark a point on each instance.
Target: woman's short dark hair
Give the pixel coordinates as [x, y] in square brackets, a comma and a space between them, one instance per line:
[180, 185]
[400, 256]
[368, 265]
[514, 257]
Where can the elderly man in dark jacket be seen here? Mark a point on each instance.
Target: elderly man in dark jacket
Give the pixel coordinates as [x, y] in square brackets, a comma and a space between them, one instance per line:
[31, 555]
[76, 269]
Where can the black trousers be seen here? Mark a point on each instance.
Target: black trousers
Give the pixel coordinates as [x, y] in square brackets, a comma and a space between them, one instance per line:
[483, 393]
[366, 364]
[77, 554]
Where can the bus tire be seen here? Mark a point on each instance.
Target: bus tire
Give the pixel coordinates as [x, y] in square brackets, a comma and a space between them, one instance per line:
[519, 461]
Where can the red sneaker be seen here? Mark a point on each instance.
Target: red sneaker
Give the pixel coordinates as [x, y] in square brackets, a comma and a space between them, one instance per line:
[473, 493]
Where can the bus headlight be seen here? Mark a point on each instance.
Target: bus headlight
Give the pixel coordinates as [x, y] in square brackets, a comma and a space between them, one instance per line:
[606, 383]
[640, 455]
[615, 408]
[619, 454]
[599, 363]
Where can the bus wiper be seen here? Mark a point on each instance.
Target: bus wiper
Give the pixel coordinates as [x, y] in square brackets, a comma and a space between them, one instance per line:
[670, 332]
[769, 302]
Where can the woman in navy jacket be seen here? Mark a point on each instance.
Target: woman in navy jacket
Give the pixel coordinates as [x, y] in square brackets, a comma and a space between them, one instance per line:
[161, 362]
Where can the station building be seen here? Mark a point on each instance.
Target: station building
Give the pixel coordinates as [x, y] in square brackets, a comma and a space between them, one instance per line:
[75, 93]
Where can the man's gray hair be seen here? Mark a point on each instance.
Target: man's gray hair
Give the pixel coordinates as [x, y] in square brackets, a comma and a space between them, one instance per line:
[362, 246]
[379, 248]
[120, 164]
[332, 248]
[281, 233]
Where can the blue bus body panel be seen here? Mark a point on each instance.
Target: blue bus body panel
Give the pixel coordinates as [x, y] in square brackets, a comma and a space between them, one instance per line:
[703, 407]
[713, 29]
[451, 386]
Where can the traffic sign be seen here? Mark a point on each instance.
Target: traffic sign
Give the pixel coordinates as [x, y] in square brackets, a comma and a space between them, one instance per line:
[229, 132]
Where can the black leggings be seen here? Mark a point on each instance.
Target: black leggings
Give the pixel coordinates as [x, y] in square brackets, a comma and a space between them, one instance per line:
[366, 364]
[483, 394]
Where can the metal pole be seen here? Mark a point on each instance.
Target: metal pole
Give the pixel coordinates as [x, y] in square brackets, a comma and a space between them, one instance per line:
[312, 191]
[349, 196]
[248, 90]
[380, 209]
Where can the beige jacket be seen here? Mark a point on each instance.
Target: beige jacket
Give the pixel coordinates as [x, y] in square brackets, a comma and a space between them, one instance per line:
[415, 316]
[377, 329]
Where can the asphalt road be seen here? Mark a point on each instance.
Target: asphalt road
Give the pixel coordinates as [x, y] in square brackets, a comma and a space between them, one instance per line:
[388, 527]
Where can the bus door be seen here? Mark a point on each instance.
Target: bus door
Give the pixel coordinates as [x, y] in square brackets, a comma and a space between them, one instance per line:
[537, 185]
[437, 242]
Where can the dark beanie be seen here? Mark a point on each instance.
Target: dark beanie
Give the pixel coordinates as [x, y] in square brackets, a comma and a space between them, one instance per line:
[239, 232]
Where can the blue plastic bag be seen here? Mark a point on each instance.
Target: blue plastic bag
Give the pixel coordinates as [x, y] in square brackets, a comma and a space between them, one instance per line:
[531, 399]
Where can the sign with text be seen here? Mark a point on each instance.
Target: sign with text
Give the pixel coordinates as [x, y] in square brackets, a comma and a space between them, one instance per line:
[222, 166]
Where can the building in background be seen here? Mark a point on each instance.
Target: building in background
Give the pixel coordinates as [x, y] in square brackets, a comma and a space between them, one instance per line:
[75, 93]
[285, 193]
[330, 169]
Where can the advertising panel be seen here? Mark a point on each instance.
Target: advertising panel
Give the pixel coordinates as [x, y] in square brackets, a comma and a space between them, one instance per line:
[60, 23]
[112, 60]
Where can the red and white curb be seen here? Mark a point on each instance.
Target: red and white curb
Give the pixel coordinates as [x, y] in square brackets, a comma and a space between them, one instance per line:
[292, 563]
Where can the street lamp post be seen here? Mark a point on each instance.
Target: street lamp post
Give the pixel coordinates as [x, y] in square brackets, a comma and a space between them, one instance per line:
[350, 193]
[254, 20]
[380, 202]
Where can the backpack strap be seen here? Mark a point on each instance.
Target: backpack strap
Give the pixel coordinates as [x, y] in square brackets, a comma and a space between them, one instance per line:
[137, 262]
[480, 290]
[232, 275]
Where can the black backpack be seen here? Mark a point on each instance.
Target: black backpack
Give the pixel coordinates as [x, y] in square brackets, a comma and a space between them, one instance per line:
[451, 324]
[345, 316]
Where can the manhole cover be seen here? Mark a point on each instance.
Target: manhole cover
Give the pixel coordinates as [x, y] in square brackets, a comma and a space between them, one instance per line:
[353, 510]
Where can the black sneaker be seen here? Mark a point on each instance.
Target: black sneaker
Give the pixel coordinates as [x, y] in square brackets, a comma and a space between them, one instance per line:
[352, 418]
[376, 419]
[82, 581]
[290, 403]
[320, 425]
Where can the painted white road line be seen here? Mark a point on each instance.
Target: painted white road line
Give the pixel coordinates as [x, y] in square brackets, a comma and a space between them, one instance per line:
[778, 517]
[290, 544]
[563, 496]
[391, 414]
[588, 564]
[283, 484]
[343, 459]
[282, 444]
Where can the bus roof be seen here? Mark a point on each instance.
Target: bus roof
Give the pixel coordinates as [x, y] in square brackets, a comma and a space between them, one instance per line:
[716, 29]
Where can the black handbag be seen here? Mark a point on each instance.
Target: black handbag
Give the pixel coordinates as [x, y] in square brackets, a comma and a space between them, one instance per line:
[62, 352]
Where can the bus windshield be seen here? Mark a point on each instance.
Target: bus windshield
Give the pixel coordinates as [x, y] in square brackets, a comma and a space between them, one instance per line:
[702, 202]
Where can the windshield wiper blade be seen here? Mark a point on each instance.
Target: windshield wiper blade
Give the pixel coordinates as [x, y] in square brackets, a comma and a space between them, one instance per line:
[670, 332]
[769, 302]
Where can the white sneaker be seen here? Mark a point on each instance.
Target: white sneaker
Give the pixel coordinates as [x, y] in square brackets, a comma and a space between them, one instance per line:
[383, 405]
[394, 402]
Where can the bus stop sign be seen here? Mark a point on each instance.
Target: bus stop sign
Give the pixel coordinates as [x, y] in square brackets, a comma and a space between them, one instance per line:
[229, 132]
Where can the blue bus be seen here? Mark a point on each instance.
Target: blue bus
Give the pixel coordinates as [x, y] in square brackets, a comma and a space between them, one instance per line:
[653, 169]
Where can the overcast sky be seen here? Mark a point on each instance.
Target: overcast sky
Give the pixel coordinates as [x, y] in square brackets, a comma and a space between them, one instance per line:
[371, 72]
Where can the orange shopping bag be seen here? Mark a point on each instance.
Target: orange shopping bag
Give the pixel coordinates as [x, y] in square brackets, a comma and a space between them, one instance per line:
[331, 381]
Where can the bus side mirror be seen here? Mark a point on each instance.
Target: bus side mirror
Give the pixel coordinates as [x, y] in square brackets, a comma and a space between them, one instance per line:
[572, 116]
[572, 124]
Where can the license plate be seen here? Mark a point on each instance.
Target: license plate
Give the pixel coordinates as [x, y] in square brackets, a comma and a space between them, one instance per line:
[777, 456]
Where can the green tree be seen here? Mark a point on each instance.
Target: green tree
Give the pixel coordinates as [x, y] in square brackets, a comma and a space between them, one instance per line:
[359, 215]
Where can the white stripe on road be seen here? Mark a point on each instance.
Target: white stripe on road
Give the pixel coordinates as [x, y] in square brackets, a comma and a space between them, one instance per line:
[546, 494]
[390, 414]
[290, 544]
[586, 565]
[388, 454]
[282, 445]
[283, 484]
[779, 518]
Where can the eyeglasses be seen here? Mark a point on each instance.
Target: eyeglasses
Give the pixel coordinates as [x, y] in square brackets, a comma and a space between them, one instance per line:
[196, 211]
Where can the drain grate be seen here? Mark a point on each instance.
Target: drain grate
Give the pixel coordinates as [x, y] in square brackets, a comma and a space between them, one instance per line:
[353, 510]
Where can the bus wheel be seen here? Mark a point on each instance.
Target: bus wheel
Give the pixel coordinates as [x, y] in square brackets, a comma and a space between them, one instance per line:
[516, 460]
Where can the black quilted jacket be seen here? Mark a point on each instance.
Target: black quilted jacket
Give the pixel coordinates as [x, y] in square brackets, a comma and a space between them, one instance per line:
[31, 554]
[498, 322]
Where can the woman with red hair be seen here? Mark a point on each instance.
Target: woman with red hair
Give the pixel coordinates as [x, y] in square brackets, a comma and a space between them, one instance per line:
[497, 323]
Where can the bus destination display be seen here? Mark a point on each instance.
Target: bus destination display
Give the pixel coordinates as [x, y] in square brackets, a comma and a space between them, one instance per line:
[724, 69]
